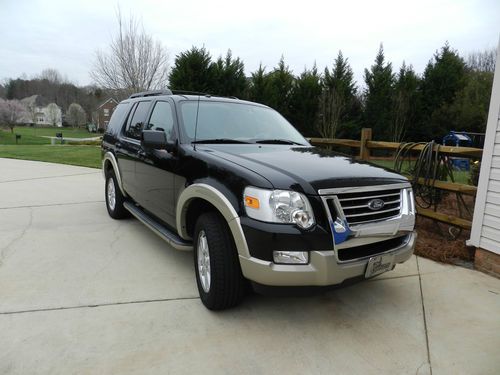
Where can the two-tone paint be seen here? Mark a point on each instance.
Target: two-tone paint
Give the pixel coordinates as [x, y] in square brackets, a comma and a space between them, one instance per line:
[168, 185]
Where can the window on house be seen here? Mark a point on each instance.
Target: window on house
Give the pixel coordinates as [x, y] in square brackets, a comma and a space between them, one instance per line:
[106, 112]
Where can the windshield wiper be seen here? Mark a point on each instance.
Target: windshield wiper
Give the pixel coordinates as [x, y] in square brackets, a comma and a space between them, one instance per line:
[279, 142]
[218, 140]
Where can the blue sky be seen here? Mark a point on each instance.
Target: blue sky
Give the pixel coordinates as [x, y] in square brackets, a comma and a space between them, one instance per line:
[65, 34]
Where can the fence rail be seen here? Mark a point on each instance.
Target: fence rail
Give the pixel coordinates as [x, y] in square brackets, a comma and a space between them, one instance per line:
[366, 145]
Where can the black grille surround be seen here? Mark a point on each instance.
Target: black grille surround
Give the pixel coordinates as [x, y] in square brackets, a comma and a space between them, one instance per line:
[355, 206]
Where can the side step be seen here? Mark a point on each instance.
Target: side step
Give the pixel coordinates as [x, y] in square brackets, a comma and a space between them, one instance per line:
[166, 234]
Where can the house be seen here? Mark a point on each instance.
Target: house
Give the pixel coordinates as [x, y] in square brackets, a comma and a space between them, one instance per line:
[485, 232]
[104, 112]
[40, 112]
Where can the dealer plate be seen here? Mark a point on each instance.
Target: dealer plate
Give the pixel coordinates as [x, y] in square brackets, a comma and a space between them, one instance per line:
[379, 264]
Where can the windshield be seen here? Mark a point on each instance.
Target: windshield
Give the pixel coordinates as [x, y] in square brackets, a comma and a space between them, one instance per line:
[237, 121]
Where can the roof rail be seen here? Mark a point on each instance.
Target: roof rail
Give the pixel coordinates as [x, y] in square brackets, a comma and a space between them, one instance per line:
[151, 93]
[184, 92]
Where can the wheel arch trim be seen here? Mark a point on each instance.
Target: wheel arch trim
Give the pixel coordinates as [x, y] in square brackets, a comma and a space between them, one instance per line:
[110, 158]
[221, 203]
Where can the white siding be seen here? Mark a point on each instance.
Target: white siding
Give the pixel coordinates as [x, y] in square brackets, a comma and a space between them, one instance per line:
[490, 228]
[485, 231]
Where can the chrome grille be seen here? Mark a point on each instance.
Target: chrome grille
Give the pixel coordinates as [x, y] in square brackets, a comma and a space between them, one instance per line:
[355, 206]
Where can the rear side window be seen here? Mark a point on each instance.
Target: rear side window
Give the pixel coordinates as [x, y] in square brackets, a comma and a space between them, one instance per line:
[117, 118]
[162, 119]
[136, 120]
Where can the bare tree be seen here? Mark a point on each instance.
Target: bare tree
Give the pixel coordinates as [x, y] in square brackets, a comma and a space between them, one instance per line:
[482, 61]
[331, 106]
[339, 90]
[135, 61]
[11, 112]
[51, 75]
[75, 116]
[53, 114]
[32, 111]
[401, 107]
[403, 102]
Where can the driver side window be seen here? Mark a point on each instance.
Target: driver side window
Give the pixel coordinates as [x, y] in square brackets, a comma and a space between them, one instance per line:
[162, 119]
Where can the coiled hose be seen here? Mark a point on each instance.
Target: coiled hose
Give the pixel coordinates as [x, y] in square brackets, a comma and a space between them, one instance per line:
[430, 165]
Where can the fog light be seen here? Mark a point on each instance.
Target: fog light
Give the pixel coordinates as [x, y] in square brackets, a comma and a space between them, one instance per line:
[291, 257]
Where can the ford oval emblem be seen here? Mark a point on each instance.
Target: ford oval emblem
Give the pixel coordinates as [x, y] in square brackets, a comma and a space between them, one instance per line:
[376, 204]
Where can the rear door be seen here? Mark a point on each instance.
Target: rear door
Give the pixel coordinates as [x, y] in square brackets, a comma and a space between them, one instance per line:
[155, 172]
[129, 146]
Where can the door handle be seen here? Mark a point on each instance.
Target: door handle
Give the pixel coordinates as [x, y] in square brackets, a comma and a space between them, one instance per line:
[141, 153]
[118, 145]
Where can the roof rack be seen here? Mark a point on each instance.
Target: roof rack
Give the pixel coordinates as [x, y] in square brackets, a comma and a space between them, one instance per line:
[184, 92]
[151, 93]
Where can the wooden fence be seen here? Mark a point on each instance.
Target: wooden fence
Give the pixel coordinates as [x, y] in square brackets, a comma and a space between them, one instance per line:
[366, 145]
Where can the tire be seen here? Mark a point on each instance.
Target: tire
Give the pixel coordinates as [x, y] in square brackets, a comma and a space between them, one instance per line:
[114, 202]
[226, 285]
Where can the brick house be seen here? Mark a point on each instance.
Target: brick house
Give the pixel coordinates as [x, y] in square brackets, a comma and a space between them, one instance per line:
[104, 112]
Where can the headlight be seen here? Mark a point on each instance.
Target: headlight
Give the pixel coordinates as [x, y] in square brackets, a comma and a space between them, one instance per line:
[278, 206]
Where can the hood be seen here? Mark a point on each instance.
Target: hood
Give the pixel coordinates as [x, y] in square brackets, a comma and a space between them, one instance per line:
[305, 169]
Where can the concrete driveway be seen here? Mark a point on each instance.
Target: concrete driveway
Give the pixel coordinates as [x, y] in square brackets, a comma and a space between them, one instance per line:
[82, 293]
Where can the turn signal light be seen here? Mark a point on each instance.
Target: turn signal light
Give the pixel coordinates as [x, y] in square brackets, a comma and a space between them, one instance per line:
[251, 202]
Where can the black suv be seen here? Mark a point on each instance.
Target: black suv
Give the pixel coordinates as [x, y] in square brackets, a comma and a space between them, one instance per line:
[236, 182]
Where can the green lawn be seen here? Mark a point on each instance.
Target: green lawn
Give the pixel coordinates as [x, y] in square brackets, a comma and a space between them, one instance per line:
[461, 177]
[36, 136]
[51, 132]
[6, 138]
[86, 156]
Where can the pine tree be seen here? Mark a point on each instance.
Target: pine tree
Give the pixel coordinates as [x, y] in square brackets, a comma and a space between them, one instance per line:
[193, 71]
[304, 101]
[379, 90]
[229, 76]
[444, 77]
[469, 110]
[258, 90]
[338, 97]
[405, 103]
[281, 83]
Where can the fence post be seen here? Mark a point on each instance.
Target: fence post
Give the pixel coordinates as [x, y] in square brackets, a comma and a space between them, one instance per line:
[364, 151]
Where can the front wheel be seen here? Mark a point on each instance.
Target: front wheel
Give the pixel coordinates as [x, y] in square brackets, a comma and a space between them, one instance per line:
[218, 273]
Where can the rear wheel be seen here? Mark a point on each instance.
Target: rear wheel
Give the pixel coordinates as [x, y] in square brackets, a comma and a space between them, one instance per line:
[218, 274]
[114, 197]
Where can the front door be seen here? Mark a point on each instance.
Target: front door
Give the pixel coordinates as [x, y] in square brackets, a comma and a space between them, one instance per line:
[155, 169]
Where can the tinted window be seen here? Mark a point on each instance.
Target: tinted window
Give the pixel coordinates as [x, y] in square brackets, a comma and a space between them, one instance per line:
[136, 123]
[118, 118]
[162, 119]
[245, 122]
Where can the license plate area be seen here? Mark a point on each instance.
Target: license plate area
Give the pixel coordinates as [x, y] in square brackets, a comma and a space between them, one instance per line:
[379, 264]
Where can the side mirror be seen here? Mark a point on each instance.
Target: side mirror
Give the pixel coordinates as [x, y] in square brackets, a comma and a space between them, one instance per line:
[155, 140]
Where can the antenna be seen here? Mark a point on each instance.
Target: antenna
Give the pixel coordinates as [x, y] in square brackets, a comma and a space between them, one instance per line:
[196, 121]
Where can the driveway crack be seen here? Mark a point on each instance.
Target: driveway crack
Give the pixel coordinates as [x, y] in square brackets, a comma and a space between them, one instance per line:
[425, 319]
[48, 177]
[5, 253]
[106, 304]
[116, 237]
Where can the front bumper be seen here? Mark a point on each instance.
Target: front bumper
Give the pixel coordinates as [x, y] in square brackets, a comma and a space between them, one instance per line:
[323, 268]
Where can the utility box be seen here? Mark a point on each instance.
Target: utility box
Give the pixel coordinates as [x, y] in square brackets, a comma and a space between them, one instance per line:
[459, 140]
